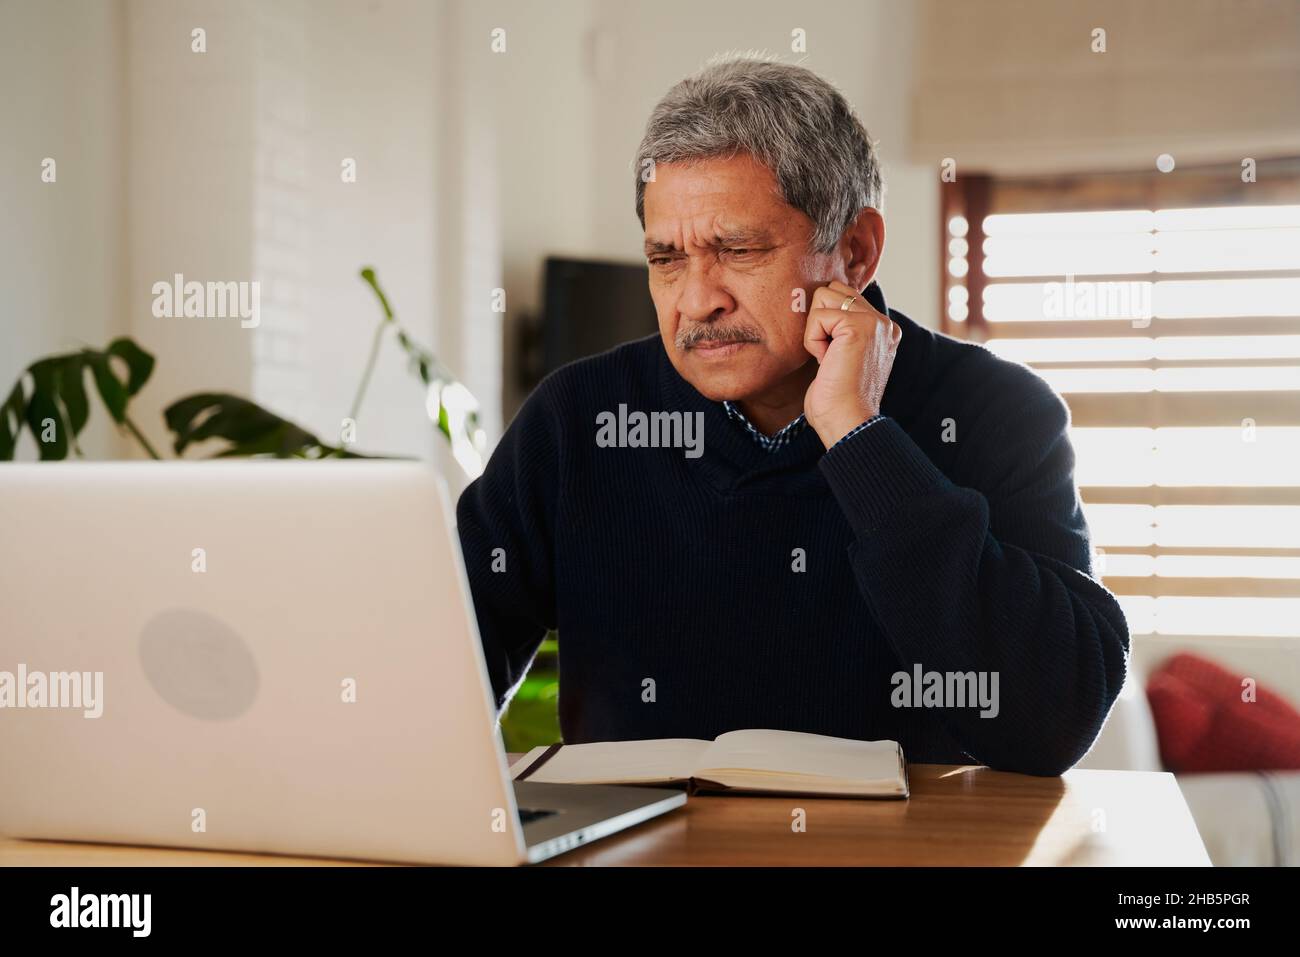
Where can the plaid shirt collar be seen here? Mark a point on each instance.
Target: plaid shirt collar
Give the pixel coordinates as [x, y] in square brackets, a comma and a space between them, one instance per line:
[769, 443]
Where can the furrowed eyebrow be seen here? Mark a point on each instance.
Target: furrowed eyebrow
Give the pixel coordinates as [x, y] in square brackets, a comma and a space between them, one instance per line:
[728, 240]
[741, 238]
[653, 246]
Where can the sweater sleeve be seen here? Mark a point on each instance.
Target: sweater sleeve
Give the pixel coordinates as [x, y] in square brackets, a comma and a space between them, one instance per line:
[505, 519]
[994, 580]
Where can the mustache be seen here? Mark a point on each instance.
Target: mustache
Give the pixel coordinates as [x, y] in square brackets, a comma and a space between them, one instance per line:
[689, 338]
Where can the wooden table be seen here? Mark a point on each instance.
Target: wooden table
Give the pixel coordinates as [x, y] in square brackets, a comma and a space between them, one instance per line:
[955, 816]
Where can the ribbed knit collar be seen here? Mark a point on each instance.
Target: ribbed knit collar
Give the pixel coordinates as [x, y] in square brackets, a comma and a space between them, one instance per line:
[733, 461]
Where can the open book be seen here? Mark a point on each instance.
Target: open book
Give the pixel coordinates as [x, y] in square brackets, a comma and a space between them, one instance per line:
[772, 762]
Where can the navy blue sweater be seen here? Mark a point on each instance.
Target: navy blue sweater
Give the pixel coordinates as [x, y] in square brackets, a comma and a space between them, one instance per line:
[752, 589]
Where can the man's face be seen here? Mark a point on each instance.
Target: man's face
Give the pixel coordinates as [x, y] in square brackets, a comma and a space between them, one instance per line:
[726, 256]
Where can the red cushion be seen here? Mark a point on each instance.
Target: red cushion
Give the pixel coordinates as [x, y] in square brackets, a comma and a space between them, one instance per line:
[1204, 725]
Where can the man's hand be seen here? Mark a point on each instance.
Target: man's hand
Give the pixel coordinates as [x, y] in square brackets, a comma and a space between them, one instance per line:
[855, 349]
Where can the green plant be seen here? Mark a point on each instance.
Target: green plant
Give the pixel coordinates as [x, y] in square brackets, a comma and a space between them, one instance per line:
[57, 409]
[531, 719]
[50, 399]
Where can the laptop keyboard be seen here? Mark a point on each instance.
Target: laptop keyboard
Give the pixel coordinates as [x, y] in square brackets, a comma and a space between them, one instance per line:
[529, 814]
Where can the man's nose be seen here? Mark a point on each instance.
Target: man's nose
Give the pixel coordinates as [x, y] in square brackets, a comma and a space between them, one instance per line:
[703, 297]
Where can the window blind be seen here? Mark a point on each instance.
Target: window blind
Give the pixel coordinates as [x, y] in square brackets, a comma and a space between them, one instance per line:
[1174, 336]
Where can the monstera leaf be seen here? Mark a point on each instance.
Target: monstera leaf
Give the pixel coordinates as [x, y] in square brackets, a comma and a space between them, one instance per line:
[247, 428]
[57, 408]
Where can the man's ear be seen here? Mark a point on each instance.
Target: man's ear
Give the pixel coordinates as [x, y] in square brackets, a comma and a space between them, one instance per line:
[861, 246]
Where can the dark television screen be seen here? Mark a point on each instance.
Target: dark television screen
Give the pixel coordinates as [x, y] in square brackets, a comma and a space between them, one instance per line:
[591, 307]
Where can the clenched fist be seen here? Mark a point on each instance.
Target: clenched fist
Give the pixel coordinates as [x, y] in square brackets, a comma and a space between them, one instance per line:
[854, 346]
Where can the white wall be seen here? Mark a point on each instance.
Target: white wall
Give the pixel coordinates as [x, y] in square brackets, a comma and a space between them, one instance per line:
[189, 196]
[284, 95]
[225, 165]
[368, 92]
[468, 204]
[1014, 86]
[538, 100]
[62, 263]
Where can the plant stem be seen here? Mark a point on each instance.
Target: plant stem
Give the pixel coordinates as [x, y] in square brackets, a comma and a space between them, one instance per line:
[368, 274]
[139, 437]
[370, 368]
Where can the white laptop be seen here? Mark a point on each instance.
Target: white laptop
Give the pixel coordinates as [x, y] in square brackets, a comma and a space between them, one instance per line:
[266, 656]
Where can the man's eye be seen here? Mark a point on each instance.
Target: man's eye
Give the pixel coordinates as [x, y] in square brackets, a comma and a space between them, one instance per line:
[661, 261]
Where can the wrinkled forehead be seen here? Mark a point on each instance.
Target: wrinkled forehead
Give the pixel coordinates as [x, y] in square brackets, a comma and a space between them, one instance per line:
[719, 202]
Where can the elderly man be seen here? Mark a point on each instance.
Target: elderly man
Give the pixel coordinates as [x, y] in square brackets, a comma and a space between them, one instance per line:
[878, 535]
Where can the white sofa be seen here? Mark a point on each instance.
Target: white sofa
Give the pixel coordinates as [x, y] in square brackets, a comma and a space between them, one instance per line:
[1249, 818]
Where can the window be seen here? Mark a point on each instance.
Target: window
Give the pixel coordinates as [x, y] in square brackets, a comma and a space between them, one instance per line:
[1166, 310]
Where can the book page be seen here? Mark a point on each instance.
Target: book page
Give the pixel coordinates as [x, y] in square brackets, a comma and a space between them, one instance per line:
[762, 753]
[616, 762]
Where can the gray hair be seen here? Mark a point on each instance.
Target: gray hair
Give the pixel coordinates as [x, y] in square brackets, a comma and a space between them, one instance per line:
[786, 117]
